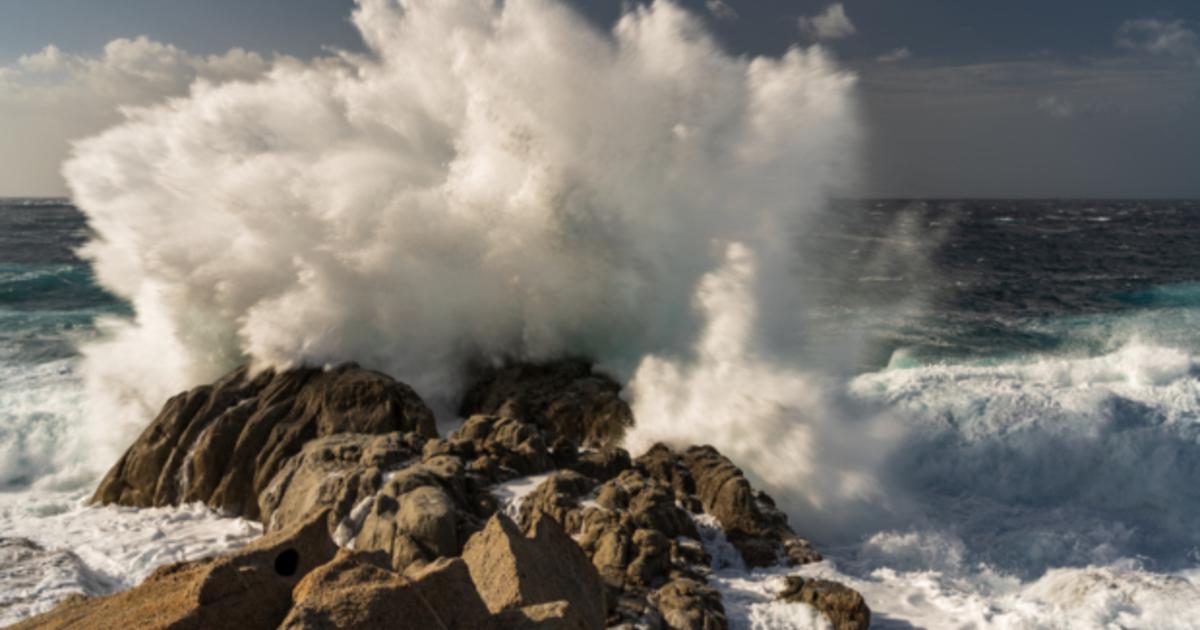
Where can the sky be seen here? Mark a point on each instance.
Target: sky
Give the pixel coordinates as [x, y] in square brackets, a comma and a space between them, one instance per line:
[1022, 98]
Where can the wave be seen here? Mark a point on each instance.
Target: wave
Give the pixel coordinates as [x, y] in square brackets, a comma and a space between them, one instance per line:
[490, 180]
[1053, 461]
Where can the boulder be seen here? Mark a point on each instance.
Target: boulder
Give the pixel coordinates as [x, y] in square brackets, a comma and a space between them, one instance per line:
[514, 570]
[224, 443]
[411, 524]
[553, 616]
[354, 592]
[843, 606]
[750, 519]
[565, 398]
[603, 464]
[558, 497]
[687, 604]
[335, 472]
[251, 588]
[513, 446]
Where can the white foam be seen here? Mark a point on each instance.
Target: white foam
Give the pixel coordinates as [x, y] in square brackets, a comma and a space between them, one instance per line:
[512, 493]
[97, 550]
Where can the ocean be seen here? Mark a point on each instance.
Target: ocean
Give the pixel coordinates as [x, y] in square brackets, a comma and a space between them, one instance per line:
[1042, 357]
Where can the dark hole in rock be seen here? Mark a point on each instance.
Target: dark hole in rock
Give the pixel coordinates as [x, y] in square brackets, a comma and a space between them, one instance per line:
[287, 562]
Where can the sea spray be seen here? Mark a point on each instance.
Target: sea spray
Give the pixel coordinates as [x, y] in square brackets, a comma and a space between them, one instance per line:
[488, 180]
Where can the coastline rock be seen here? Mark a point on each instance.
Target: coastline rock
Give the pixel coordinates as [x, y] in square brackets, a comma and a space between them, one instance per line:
[844, 607]
[251, 588]
[352, 591]
[223, 443]
[750, 519]
[514, 570]
[687, 604]
[565, 398]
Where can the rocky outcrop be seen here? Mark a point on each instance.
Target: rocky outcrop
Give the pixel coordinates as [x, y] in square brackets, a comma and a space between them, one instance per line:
[750, 519]
[248, 589]
[223, 443]
[566, 398]
[844, 607]
[603, 541]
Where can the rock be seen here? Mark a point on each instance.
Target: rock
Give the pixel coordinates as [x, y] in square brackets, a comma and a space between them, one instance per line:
[687, 604]
[251, 588]
[751, 522]
[354, 592]
[565, 398]
[411, 525]
[843, 606]
[603, 464]
[224, 443]
[651, 504]
[558, 497]
[553, 616]
[336, 472]
[511, 444]
[513, 570]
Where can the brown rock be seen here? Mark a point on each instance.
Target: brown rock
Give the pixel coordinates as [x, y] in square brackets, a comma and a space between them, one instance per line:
[511, 444]
[553, 616]
[603, 464]
[513, 570]
[418, 525]
[354, 592]
[558, 497]
[224, 443]
[248, 589]
[565, 398]
[334, 472]
[751, 522]
[687, 604]
[843, 606]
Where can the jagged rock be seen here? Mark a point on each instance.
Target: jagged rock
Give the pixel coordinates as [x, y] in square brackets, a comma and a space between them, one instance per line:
[663, 464]
[354, 592]
[603, 464]
[248, 589]
[514, 570]
[509, 443]
[223, 443]
[687, 604]
[414, 519]
[751, 522]
[558, 497]
[843, 606]
[335, 472]
[650, 504]
[565, 398]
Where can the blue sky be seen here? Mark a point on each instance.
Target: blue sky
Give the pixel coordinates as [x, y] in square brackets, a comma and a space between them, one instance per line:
[1021, 98]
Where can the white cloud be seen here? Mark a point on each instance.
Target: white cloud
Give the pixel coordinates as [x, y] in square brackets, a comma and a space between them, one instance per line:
[51, 97]
[1056, 107]
[721, 10]
[900, 54]
[1160, 37]
[830, 24]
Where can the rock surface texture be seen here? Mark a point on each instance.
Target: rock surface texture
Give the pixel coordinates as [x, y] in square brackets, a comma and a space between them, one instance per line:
[351, 458]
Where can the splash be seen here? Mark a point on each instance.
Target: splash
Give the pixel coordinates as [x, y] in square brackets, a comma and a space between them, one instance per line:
[490, 179]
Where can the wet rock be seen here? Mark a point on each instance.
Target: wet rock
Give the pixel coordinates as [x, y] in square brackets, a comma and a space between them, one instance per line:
[224, 443]
[413, 520]
[650, 504]
[843, 606]
[751, 522]
[558, 497]
[511, 445]
[565, 398]
[334, 472]
[248, 589]
[514, 570]
[603, 464]
[687, 604]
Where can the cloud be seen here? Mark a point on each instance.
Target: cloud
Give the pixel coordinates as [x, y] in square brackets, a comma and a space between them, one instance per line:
[720, 10]
[1160, 37]
[51, 97]
[900, 54]
[830, 24]
[1055, 106]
